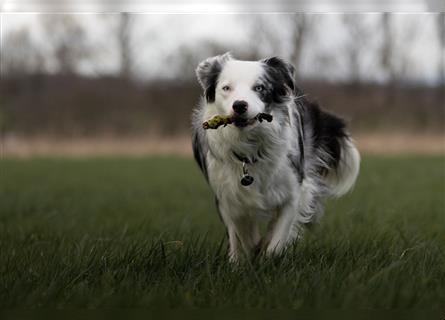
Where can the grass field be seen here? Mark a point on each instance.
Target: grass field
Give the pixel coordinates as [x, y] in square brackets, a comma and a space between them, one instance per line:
[144, 232]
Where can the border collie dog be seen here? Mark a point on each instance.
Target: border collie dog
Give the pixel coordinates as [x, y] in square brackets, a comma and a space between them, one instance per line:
[292, 163]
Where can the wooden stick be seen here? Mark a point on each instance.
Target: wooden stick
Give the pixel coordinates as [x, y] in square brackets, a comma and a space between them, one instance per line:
[218, 121]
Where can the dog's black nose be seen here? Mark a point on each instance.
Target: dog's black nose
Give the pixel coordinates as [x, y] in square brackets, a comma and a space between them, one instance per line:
[239, 106]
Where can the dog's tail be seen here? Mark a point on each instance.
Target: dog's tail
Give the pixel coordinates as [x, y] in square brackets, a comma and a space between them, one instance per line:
[341, 179]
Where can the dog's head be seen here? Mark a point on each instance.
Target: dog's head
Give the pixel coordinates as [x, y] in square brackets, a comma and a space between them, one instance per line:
[243, 89]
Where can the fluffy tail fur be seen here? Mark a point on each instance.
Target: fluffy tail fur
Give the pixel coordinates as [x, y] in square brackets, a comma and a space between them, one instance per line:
[343, 178]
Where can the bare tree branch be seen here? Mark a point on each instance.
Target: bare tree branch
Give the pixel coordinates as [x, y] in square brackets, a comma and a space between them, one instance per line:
[67, 40]
[441, 33]
[20, 55]
[124, 34]
[358, 34]
[299, 31]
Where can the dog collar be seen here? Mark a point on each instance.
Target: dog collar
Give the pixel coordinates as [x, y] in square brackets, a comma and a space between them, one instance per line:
[246, 179]
[244, 159]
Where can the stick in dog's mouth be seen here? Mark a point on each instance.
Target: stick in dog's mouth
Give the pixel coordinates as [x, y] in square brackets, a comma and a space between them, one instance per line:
[218, 121]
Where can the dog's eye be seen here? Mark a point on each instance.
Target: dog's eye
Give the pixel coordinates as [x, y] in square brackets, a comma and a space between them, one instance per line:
[226, 88]
[259, 88]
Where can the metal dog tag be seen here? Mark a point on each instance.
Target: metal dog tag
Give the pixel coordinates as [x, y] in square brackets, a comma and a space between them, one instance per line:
[247, 180]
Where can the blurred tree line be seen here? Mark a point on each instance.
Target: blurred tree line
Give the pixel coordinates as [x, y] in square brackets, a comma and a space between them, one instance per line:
[44, 89]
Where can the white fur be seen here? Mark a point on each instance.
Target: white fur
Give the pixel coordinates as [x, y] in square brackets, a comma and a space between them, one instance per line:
[276, 193]
[343, 179]
[240, 77]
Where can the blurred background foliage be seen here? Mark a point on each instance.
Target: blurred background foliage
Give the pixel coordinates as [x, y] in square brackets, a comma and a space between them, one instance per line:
[67, 75]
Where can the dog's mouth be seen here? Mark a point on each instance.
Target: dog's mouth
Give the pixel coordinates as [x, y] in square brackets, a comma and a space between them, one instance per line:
[242, 122]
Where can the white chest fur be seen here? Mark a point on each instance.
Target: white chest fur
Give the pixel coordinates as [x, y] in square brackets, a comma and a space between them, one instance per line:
[274, 180]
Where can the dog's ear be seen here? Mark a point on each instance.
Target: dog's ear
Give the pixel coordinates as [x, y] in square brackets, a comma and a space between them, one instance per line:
[208, 72]
[284, 69]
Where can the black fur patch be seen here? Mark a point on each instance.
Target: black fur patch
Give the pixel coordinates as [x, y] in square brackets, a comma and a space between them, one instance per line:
[328, 131]
[208, 73]
[199, 154]
[279, 80]
[265, 95]
[212, 78]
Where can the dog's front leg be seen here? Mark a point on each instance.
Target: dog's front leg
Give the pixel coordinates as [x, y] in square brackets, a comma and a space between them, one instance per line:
[283, 229]
[243, 240]
[243, 231]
